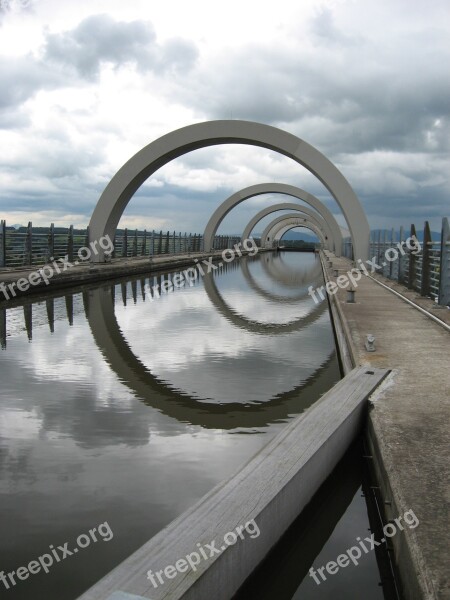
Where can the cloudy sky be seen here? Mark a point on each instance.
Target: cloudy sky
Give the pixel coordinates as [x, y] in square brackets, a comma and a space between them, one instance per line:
[86, 84]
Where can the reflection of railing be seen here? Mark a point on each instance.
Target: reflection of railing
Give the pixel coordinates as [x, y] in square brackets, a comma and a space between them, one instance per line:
[36, 245]
[425, 270]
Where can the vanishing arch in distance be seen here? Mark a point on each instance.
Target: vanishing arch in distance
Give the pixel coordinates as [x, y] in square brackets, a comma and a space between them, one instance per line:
[270, 188]
[301, 211]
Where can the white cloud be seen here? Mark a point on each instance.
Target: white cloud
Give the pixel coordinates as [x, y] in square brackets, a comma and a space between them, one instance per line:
[87, 84]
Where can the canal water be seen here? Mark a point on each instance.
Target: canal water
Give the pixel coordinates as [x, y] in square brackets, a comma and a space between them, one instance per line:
[120, 408]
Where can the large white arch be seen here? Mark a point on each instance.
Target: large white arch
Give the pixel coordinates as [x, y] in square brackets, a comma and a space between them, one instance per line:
[301, 210]
[270, 188]
[269, 232]
[133, 173]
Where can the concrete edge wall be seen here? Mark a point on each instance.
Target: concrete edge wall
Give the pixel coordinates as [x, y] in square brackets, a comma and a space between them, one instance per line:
[93, 272]
[344, 345]
[272, 489]
[413, 577]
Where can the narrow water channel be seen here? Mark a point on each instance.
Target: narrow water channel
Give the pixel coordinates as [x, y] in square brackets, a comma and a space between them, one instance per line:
[122, 408]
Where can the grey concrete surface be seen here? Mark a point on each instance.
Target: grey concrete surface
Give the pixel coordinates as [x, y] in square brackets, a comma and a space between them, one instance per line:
[89, 272]
[408, 425]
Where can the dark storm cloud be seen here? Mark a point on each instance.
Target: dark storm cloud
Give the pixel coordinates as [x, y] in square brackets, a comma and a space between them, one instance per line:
[100, 39]
[348, 94]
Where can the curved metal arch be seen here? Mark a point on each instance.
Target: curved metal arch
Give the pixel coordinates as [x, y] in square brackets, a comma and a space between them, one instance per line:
[302, 210]
[280, 233]
[279, 230]
[149, 159]
[270, 188]
[268, 234]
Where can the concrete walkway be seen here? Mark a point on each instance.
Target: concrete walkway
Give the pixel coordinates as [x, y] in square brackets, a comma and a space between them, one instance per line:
[80, 273]
[408, 427]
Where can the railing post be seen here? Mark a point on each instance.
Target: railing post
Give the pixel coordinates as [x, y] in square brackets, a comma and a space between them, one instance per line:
[3, 328]
[125, 244]
[152, 241]
[135, 243]
[391, 263]
[401, 270]
[50, 252]
[2, 243]
[412, 263]
[167, 242]
[28, 257]
[144, 244]
[70, 244]
[444, 279]
[160, 242]
[426, 246]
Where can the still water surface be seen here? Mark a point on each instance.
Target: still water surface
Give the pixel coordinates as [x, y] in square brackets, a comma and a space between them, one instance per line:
[122, 408]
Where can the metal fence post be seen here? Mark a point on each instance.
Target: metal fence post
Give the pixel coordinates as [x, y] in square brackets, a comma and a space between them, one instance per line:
[412, 263]
[135, 243]
[28, 256]
[391, 262]
[401, 270]
[426, 246]
[444, 268]
[144, 244]
[2, 243]
[70, 244]
[50, 252]
[125, 243]
[167, 242]
[86, 239]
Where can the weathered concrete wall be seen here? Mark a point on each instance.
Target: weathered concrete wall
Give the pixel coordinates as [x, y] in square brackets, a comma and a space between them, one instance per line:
[272, 489]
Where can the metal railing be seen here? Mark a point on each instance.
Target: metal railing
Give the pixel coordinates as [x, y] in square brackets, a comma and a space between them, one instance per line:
[424, 268]
[28, 246]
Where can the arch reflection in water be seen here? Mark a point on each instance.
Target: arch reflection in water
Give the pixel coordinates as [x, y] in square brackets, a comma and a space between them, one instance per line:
[162, 392]
[280, 272]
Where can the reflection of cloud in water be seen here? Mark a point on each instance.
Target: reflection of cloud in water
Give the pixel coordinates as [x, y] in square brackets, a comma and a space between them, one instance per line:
[188, 344]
